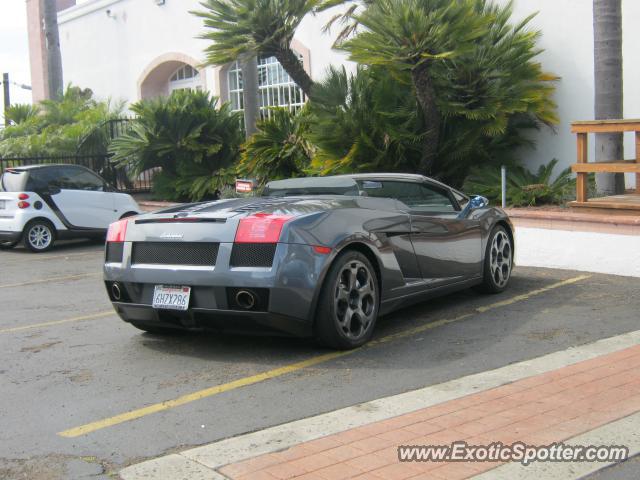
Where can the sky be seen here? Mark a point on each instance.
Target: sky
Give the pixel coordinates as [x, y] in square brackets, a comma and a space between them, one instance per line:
[14, 47]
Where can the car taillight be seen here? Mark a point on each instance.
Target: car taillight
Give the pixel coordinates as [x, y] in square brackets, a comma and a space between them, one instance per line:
[117, 231]
[24, 204]
[261, 228]
[23, 196]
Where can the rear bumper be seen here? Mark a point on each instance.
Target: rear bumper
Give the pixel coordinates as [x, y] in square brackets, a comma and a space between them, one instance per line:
[214, 319]
[9, 236]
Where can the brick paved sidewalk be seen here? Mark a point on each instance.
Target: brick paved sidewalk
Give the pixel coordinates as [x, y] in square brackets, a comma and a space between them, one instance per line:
[537, 410]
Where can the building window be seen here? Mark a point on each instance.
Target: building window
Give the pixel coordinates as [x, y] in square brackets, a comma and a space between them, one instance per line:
[234, 76]
[185, 78]
[275, 87]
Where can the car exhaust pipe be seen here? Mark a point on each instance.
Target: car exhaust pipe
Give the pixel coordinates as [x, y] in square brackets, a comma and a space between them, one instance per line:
[246, 299]
[116, 291]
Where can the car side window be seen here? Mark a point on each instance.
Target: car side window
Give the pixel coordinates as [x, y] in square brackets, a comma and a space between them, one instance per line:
[40, 179]
[434, 199]
[73, 178]
[418, 197]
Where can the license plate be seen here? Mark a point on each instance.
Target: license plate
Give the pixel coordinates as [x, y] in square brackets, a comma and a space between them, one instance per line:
[171, 297]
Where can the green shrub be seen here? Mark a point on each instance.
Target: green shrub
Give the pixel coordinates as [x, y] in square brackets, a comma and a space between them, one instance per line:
[279, 149]
[524, 188]
[54, 127]
[192, 143]
[364, 122]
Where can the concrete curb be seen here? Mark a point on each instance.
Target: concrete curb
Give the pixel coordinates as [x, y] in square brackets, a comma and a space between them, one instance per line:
[202, 462]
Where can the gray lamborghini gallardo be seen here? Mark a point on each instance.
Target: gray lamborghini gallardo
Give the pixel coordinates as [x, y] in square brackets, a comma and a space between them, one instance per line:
[322, 257]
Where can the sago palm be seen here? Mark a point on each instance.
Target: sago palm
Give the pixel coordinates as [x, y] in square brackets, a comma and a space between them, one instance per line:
[414, 36]
[19, 113]
[490, 94]
[187, 136]
[524, 188]
[245, 28]
[279, 149]
[367, 121]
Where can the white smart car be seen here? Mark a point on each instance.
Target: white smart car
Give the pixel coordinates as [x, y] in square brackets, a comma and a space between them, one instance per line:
[42, 203]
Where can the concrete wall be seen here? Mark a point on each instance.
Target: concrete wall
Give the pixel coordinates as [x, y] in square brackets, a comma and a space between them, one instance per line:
[111, 53]
[567, 38]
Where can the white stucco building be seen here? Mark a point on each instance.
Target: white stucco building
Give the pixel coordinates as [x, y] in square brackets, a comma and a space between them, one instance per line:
[132, 49]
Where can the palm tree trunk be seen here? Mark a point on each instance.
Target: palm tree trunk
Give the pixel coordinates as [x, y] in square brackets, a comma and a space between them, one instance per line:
[607, 43]
[250, 94]
[293, 66]
[426, 96]
[54, 57]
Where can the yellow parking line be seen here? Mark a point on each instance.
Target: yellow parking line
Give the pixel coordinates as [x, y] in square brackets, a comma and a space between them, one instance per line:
[278, 372]
[52, 279]
[93, 316]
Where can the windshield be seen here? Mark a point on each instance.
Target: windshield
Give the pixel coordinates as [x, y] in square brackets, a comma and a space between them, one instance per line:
[13, 180]
[311, 186]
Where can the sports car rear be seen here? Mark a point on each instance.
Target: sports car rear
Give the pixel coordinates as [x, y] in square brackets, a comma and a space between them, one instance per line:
[217, 266]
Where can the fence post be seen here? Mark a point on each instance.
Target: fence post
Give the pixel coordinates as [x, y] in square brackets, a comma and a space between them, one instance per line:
[503, 179]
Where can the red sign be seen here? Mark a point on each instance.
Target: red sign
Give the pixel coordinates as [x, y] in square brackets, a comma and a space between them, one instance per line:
[244, 186]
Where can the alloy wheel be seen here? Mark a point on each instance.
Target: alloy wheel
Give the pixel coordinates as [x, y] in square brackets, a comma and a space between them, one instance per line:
[40, 236]
[355, 300]
[501, 260]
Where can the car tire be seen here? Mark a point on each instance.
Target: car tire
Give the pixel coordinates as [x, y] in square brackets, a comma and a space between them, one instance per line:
[498, 261]
[349, 302]
[155, 330]
[39, 236]
[7, 245]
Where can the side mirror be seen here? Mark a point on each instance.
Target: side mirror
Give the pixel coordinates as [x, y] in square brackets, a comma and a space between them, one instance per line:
[478, 201]
[53, 190]
[474, 203]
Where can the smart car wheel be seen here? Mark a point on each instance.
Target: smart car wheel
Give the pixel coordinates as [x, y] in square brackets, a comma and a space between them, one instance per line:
[348, 304]
[498, 261]
[39, 236]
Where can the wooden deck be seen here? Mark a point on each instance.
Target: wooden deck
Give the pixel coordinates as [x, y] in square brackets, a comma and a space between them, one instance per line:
[618, 204]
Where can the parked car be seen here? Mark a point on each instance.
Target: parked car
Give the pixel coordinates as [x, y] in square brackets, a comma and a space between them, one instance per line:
[42, 203]
[319, 257]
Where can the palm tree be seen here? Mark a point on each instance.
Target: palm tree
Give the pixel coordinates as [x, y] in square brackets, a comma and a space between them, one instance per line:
[346, 19]
[54, 57]
[607, 43]
[19, 113]
[256, 27]
[250, 106]
[413, 36]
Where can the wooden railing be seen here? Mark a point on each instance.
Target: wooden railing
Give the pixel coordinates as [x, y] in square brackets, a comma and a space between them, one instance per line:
[583, 167]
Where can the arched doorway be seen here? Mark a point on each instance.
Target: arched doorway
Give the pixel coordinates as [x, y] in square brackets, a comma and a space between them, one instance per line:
[169, 72]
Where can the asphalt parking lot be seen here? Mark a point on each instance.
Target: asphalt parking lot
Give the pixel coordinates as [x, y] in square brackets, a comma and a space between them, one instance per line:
[83, 394]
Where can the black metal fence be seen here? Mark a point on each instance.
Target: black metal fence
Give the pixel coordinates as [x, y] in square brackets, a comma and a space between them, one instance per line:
[91, 153]
[118, 176]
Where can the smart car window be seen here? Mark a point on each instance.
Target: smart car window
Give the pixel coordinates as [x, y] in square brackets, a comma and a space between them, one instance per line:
[71, 178]
[13, 180]
[40, 179]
